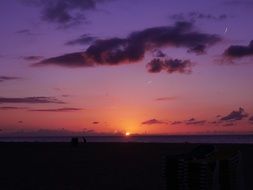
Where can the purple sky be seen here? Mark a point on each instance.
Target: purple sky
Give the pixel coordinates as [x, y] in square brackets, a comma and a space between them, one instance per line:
[167, 67]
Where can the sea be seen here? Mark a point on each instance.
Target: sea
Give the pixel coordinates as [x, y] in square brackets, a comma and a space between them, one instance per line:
[234, 139]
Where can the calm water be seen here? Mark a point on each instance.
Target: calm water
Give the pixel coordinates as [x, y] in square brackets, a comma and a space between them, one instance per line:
[145, 139]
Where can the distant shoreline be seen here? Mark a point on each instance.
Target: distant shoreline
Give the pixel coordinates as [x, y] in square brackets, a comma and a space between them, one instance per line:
[215, 139]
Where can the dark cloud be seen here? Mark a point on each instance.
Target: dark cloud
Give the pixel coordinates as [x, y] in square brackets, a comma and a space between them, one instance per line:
[158, 53]
[176, 122]
[82, 40]
[192, 16]
[57, 110]
[129, 50]
[235, 115]
[199, 49]
[7, 78]
[31, 100]
[196, 122]
[68, 60]
[32, 58]
[64, 12]
[11, 108]
[170, 66]
[191, 121]
[251, 118]
[95, 122]
[168, 98]
[237, 51]
[215, 122]
[153, 122]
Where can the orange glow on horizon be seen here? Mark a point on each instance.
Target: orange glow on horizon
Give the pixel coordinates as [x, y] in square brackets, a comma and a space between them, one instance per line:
[127, 134]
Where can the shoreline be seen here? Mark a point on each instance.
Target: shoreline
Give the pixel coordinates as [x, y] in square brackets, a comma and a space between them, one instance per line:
[96, 165]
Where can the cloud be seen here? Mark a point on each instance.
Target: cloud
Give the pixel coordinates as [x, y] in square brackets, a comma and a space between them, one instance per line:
[168, 98]
[193, 121]
[235, 115]
[193, 16]
[115, 51]
[170, 66]
[200, 122]
[158, 53]
[82, 40]
[251, 118]
[64, 12]
[237, 51]
[57, 110]
[7, 78]
[68, 60]
[32, 58]
[12, 108]
[31, 100]
[176, 122]
[199, 49]
[95, 122]
[153, 122]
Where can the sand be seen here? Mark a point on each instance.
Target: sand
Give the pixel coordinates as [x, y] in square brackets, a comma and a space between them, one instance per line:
[94, 166]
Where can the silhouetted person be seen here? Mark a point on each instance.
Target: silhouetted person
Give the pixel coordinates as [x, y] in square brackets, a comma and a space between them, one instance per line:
[84, 140]
[74, 141]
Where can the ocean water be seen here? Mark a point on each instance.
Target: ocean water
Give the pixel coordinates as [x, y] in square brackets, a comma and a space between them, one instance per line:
[237, 139]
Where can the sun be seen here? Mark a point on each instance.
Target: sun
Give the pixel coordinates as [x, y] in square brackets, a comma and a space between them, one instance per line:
[127, 134]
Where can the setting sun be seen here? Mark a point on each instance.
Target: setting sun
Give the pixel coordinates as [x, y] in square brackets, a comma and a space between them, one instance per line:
[127, 134]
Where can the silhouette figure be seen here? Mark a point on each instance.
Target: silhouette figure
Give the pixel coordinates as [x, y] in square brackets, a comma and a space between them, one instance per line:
[74, 141]
[84, 140]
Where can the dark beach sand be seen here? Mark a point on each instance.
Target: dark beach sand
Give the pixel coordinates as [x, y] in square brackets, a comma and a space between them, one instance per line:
[94, 166]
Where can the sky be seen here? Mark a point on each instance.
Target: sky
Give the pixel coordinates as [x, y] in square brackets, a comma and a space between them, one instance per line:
[116, 66]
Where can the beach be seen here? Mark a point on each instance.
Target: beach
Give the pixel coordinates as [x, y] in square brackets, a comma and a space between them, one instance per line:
[90, 166]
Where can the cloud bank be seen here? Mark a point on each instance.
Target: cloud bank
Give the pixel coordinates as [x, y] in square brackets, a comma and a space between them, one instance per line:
[57, 110]
[238, 51]
[153, 122]
[7, 78]
[193, 16]
[11, 108]
[32, 58]
[31, 100]
[235, 115]
[193, 121]
[167, 98]
[170, 66]
[116, 51]
[64, 12]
